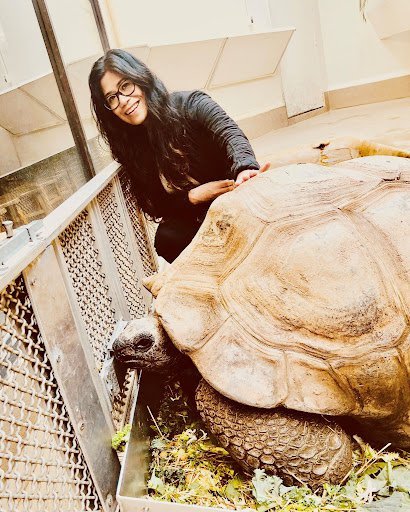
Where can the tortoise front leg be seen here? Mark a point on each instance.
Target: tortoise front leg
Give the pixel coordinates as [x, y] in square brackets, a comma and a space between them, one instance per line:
[299, 447]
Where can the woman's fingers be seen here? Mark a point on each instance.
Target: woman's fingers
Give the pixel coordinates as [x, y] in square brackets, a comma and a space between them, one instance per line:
[225, 183]
[224, 186]
[245, 175]
[250, 173]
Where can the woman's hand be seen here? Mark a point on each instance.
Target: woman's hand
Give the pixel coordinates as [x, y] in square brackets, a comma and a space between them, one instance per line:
[209, 191]
[247, 174]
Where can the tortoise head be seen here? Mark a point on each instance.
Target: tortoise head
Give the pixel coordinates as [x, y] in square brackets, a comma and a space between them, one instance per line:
[144, 344]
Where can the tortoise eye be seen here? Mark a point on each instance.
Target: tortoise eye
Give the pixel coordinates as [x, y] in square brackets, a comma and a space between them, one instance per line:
[144, 343]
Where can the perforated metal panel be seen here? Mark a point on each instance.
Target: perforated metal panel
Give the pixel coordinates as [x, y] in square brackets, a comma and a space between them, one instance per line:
[124, 400]
[120, 247]
[89, 283]
[143, 234]
[42, 466]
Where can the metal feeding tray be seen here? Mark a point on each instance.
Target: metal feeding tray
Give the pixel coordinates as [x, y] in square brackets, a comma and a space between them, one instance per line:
[135, 470]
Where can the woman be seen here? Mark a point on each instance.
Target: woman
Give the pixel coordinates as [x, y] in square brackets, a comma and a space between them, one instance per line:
[180, 150]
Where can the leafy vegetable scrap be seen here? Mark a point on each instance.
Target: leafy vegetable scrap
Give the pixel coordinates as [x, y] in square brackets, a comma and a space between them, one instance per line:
[120, 438]
[189, 467]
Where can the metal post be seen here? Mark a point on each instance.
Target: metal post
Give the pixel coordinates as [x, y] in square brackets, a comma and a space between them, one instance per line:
[99, 20]
[63, 84]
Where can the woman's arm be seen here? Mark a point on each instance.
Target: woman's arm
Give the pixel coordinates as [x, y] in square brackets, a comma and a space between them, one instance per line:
[202, 109]
[209, 191]
[241, 162]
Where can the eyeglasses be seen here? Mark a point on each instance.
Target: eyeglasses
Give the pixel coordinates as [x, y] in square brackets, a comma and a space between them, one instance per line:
[112, 101]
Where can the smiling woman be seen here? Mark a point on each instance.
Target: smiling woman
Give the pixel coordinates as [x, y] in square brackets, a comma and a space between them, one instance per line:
[128, 102]
[179, 150]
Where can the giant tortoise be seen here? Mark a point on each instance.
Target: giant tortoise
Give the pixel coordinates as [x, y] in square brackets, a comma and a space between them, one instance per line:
[293, 301]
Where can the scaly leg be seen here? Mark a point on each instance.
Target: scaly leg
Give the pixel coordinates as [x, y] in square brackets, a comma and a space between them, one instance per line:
[301, 448]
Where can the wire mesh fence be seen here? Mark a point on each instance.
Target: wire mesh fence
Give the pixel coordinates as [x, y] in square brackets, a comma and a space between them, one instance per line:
[122, 252]
[102, 254]
[42, 466]
[144, 230]
[89, 282]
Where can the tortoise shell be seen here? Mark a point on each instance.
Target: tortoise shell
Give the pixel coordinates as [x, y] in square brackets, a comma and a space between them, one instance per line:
[295, 291]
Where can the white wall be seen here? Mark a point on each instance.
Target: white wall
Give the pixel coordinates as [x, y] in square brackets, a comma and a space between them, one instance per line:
[354, 54]
[303, 66]
[75, 27]
[22, 45]
[250, 98]
[159, 22]
[32, 119]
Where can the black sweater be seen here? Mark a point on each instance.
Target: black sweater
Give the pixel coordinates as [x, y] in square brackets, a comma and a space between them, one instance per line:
[218, 149]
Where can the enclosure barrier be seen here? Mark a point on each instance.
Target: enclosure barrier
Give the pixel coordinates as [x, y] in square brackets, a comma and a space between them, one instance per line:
[62, 296]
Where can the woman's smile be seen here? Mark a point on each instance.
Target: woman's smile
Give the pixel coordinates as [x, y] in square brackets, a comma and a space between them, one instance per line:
[131, 109]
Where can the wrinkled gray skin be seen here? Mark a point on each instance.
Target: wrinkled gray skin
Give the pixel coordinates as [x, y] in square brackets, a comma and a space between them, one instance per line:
[144, 345]
[300, 447]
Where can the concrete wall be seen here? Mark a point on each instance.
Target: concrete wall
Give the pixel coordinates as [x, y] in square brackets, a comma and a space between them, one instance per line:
[32, 117]
[302, 67]
[21, 44]
[161, 22]
[76, 30]
[333, 48]
[354, 53]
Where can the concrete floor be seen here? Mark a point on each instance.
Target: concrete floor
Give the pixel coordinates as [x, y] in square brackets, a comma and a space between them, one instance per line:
[389, 119]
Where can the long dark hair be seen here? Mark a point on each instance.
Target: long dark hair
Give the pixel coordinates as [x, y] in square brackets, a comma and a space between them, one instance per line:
[155, 147]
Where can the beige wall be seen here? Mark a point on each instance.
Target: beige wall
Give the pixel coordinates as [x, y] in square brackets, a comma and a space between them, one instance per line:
[21, 45]
[21, 42]
[354, 54]
[159, 21]
[302, 67]
[32, 117]
[250, 98]
[76, 29]
[162, 22]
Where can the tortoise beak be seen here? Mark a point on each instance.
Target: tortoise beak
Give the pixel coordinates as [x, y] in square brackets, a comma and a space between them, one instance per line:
[129, 346]
[143, 344]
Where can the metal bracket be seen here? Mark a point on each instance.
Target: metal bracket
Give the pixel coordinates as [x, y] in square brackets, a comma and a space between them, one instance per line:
[20, 238]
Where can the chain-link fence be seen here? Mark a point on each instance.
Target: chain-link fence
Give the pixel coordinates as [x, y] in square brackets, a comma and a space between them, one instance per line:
[56, 413]
[42, 468]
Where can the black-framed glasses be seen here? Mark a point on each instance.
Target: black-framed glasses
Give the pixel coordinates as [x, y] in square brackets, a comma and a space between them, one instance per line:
[112, 101]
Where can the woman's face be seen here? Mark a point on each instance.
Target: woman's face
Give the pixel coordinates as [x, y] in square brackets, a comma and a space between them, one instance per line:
[131, 109]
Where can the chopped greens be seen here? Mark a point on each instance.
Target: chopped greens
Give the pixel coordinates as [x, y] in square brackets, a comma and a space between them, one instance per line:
[120, 438]
[189, 467]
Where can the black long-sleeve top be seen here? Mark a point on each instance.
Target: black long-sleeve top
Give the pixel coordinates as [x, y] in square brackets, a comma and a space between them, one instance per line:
[218, 149]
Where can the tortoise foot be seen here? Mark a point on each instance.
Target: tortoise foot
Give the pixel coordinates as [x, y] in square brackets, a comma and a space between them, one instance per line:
[301, 448]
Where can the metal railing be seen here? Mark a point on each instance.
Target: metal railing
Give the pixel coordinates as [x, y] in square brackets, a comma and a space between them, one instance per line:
[62, 296]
